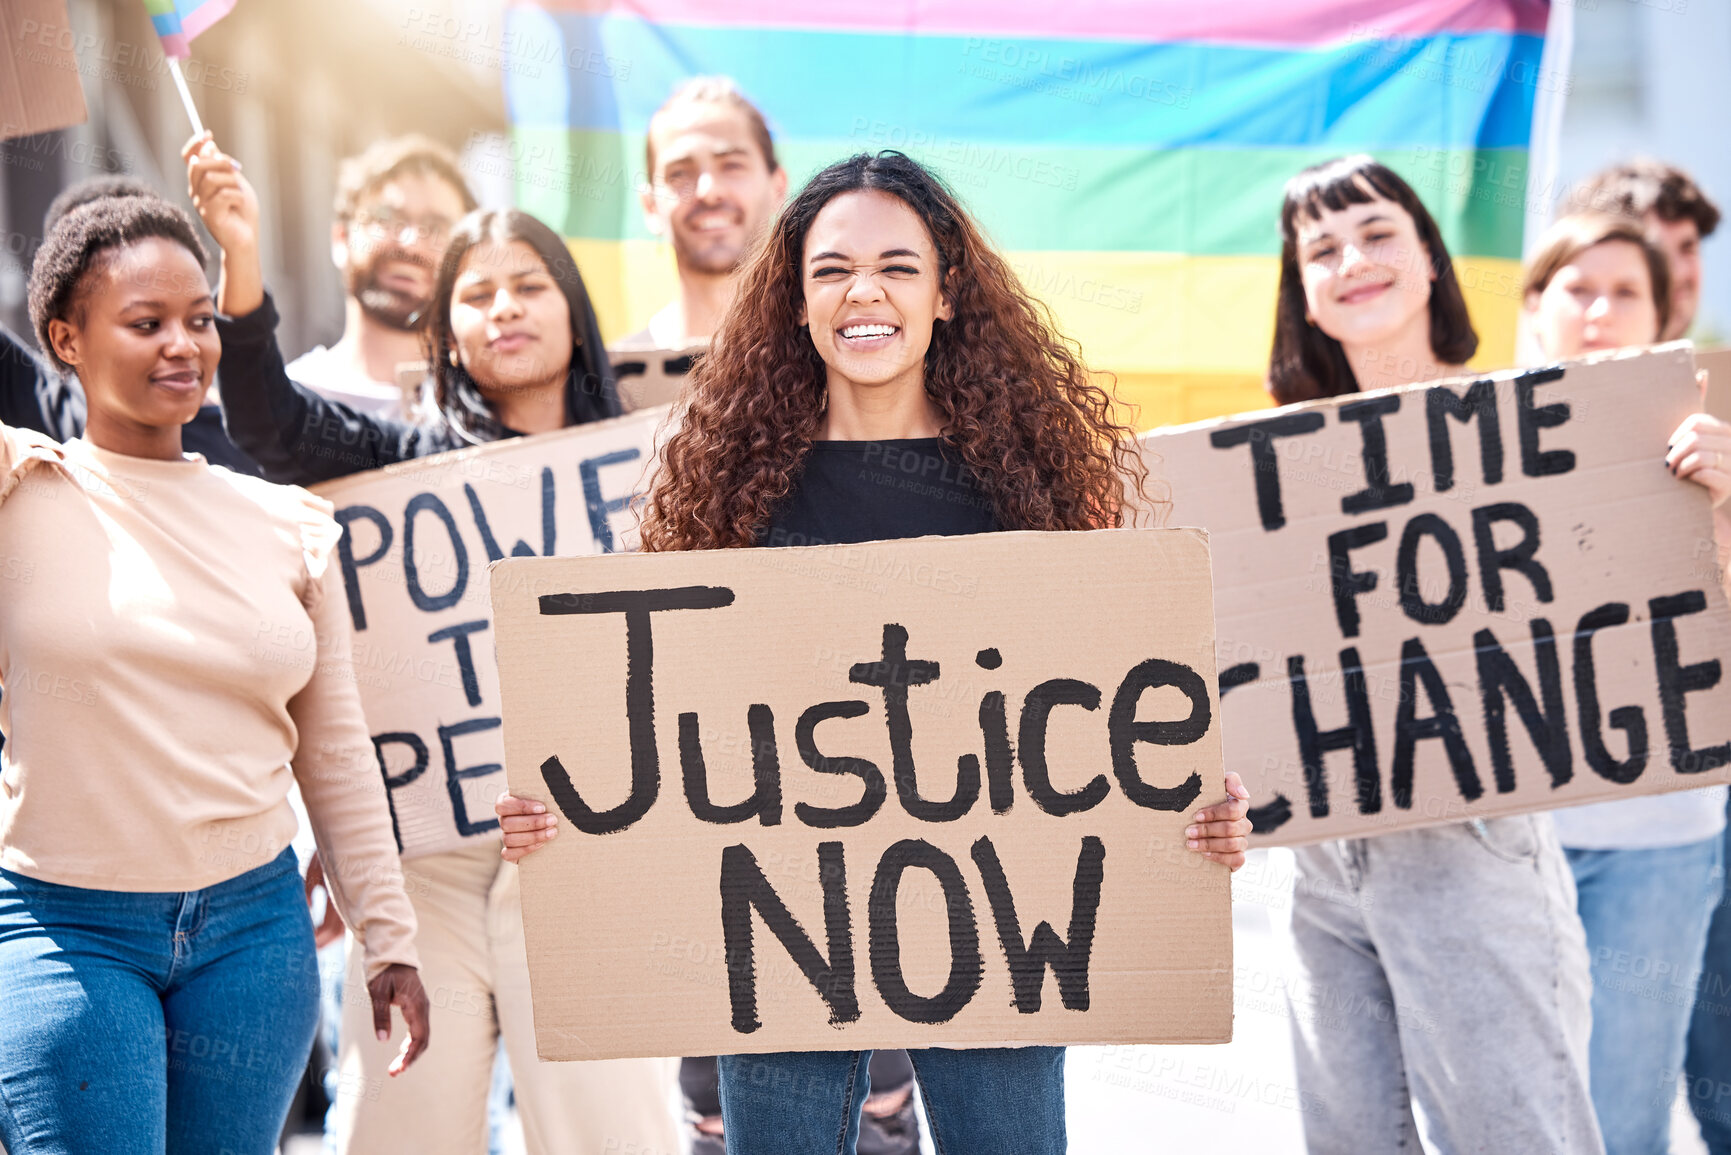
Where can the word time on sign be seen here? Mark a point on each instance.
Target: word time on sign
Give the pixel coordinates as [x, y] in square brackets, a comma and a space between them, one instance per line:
[1461, 599]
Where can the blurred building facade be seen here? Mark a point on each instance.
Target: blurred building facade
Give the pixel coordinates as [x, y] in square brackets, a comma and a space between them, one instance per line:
[1653, 78]
[290, 87]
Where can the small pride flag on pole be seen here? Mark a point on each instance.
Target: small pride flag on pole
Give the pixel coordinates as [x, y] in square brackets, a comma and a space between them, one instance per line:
[177, 22]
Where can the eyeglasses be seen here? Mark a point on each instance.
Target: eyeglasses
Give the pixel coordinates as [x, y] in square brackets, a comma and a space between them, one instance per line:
[384, 221]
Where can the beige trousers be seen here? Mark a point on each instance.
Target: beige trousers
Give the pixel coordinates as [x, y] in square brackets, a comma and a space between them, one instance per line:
[473, 965]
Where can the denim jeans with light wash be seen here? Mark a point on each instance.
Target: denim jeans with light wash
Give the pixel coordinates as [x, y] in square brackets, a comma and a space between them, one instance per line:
[1646, 914]
[143, 1023]
[992, 1101]
[1442, 967]
[1707, 1067]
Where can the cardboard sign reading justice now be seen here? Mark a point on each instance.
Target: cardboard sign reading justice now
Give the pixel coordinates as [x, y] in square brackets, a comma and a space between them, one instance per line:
[914, 793]
[416, 540]
[1470, 598]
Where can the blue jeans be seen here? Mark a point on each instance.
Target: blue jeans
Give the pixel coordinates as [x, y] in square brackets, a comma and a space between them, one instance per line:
[1708, 1065]
[142, 1023]
[1646, 914]
[994, 1101]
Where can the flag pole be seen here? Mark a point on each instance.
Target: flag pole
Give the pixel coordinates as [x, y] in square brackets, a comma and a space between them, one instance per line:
[185, 95]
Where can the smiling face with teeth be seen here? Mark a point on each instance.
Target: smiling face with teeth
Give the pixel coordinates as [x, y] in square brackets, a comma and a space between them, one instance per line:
[873, 290]
[712, 191]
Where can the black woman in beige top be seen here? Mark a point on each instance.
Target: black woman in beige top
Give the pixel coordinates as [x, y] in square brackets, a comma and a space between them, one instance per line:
[174, 651]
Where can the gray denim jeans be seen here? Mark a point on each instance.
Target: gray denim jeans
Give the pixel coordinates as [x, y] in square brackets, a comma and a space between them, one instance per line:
[1445, 966]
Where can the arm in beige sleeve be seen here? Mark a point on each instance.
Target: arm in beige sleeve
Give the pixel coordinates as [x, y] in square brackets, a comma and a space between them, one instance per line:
[339, 777]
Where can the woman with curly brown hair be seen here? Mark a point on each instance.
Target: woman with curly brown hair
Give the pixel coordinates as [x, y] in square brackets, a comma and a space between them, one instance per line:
[882, 374]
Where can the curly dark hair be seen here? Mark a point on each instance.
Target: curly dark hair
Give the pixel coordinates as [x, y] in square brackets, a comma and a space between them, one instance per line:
[83, 241]
[94, 189]
[1644, 185]
[590, 391]
[1306, 363]
[1015, 400]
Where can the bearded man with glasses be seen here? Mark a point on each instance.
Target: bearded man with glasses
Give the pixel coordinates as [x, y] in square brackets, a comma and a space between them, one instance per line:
[395, 206]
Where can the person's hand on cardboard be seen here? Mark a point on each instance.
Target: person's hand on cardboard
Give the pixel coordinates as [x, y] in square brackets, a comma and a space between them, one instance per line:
[228, 206]
[526, 825]
[1700, 451]
[1220, 833]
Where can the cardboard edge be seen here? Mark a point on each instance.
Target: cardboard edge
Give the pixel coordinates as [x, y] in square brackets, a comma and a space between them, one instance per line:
[329, 490]
[1681, 350]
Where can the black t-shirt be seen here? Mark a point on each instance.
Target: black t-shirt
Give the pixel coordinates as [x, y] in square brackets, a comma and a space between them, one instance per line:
[854, 491]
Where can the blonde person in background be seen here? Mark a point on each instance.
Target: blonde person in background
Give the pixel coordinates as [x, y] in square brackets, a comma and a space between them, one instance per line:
[1672, 210]
[515, 350]
[1649, 871]
[178, 656]
[714, 184]
[1677, 216]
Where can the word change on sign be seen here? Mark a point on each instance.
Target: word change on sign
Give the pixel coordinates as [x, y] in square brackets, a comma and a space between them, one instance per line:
[914, 793]
[1463, 599]
[417, 538]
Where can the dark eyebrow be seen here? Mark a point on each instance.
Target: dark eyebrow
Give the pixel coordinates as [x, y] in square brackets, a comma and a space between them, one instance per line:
[883, 256]
[1375, 217]
[152, 303]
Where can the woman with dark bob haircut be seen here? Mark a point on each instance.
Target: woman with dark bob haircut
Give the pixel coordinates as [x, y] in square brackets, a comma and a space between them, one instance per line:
[1379, 308]
[1460, 941]
[876, 313]
[515, 349]
[156, 958]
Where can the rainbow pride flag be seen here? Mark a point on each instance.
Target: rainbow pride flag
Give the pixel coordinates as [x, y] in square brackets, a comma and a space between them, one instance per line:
[178, 21]
[1128, 154]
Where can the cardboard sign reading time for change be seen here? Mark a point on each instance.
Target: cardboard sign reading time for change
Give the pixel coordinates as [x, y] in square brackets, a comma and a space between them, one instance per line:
[1464, 599]
[417, 538]
[913, 793]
